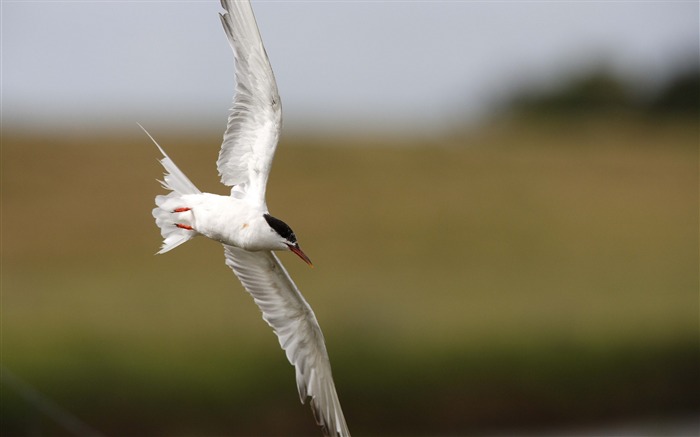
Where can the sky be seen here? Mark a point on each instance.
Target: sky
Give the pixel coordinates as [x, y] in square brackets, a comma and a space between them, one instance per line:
[353, 65]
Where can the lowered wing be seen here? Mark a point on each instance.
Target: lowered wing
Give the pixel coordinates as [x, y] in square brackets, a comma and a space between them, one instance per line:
[285, 310]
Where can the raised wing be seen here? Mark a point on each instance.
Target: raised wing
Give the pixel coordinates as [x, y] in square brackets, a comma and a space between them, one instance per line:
[255, 121]
[285, 310]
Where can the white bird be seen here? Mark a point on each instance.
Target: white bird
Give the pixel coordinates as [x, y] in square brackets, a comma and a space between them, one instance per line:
[242, 222]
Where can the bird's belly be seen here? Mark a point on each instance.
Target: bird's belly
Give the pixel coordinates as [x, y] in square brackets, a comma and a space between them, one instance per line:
[223, 219]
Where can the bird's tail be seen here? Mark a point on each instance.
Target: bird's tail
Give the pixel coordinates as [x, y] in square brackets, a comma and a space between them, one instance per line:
[170, 217]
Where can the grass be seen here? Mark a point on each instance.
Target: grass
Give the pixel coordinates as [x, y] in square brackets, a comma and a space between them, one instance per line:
[522, 275]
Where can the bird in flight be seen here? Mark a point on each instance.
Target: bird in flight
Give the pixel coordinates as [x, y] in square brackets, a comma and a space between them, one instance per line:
[242, 223]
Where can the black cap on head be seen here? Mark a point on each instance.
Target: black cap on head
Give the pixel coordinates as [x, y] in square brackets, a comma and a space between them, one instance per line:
[281, 228]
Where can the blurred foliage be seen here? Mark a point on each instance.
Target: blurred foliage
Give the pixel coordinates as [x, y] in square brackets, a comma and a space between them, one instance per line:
[681, 96]
[600, 91]
[597, 91]
[492, 283]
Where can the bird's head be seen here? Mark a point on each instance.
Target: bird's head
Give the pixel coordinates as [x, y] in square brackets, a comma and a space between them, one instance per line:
[286, 237]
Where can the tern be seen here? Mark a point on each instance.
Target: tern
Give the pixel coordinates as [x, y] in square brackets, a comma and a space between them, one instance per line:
[242, 222]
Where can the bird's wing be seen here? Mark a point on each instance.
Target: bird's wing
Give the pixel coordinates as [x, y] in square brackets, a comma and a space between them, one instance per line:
[285, 310]
[255, 120]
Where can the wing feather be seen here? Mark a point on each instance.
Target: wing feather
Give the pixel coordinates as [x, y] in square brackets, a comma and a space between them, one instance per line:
[255, 120]
[292, 319]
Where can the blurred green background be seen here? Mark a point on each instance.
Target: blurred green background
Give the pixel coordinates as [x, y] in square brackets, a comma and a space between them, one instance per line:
[535, 273]
[530, 271]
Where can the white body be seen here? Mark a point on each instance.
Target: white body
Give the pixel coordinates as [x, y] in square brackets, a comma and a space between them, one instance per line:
[240, 223]
[225, 219]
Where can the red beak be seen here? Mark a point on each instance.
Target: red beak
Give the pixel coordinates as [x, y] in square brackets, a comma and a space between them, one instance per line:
[300, 253]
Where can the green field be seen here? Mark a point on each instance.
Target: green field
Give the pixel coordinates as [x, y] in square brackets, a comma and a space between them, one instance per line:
[524, 276]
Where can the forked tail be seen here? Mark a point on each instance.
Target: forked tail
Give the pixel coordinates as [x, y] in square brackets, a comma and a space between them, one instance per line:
[167, 217]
